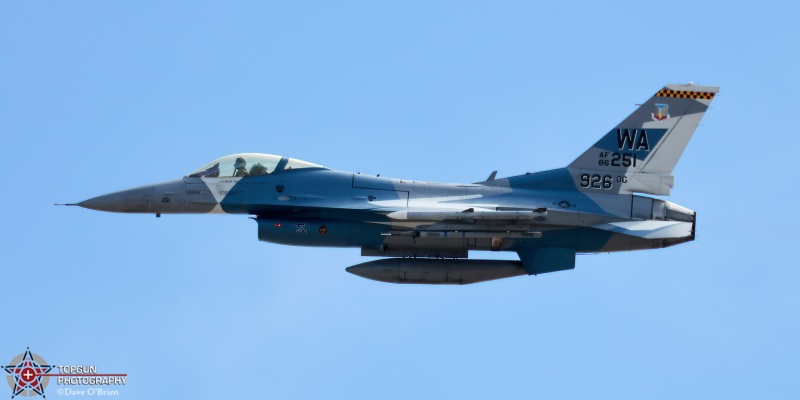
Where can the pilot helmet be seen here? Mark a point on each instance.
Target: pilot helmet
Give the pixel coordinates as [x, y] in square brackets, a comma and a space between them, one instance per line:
[240, 163]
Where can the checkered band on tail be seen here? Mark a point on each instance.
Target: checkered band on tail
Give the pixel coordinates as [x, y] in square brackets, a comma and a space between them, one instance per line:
[684, 94]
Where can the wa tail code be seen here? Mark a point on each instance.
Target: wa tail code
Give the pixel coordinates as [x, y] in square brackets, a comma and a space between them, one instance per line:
[632, 139]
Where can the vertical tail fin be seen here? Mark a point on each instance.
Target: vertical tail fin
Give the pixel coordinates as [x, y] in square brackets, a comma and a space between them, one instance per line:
[640, 153]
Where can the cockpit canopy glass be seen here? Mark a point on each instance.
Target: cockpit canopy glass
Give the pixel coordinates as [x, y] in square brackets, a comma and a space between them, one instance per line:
[298, 164]
[248, 164]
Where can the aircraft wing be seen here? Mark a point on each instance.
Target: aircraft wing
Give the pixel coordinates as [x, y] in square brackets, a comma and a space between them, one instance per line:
[468, 214]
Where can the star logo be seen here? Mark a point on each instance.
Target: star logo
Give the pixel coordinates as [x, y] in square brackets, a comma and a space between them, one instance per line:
[25, 374]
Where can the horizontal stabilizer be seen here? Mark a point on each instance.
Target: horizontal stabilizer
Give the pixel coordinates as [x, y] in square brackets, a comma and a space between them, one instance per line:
[650, 229]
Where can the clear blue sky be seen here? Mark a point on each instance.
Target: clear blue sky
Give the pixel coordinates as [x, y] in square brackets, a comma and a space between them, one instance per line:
[97, 96]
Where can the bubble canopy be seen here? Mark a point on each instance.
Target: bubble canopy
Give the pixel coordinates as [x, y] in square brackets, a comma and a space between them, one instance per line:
[249, 164]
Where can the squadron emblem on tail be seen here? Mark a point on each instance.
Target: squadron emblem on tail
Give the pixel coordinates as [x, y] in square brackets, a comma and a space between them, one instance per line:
[661, 114]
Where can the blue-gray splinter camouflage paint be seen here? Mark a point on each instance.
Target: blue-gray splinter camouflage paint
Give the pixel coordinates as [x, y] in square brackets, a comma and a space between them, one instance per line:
[426, 231]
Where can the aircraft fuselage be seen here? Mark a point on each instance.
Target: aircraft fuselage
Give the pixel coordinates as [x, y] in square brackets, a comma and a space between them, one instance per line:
[589, 206]
[322, 207]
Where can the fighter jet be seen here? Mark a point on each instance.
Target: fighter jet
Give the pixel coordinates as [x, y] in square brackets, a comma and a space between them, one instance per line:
[425, 232]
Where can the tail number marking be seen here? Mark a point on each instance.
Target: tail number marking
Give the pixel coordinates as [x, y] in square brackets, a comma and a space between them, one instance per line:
[596, 181]
[617, 159]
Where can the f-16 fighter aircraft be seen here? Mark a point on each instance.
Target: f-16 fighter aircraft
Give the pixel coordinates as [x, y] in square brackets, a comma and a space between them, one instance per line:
[426, 231]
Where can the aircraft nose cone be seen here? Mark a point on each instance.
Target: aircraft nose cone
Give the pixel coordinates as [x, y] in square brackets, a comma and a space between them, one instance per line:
[136, 200]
